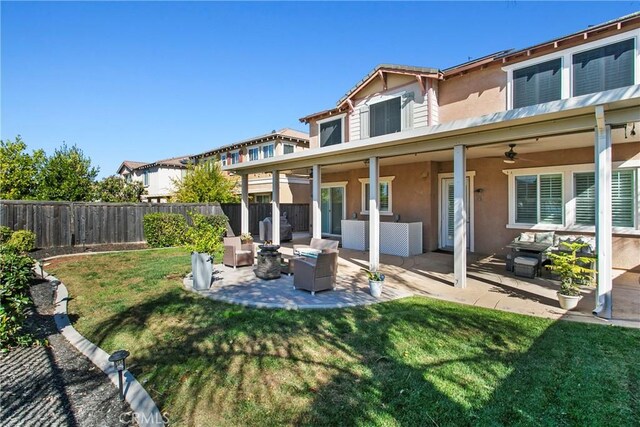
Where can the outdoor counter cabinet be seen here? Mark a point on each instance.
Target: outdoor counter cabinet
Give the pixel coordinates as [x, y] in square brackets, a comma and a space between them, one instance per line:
[396, 238]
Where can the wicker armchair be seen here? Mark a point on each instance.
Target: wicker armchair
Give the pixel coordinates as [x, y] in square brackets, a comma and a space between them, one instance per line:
[236, 254]
[316, 274]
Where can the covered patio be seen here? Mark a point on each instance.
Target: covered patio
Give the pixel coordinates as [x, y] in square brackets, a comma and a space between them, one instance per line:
[468, 277]
[431, 275]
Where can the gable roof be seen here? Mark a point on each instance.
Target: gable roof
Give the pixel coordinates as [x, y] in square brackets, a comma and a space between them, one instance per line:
[390, 69]
[284, 134]
[131, 165]
[179, 162]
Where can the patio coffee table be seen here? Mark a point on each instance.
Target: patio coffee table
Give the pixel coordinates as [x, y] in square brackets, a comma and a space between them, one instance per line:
[531, 249]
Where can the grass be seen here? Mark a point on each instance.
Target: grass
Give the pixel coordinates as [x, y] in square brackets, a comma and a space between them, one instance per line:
[415, 361]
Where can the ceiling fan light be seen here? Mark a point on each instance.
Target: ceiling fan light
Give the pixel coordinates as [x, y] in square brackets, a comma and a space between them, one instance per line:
[509, 161]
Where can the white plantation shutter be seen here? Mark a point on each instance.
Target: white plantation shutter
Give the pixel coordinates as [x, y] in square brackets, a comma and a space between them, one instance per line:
[551, 199]
[585, 194]
[622, 195]
[364, 122]
[407, 110]
[526, 199]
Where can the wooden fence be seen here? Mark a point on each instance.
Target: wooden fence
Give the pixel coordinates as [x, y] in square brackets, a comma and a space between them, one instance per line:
[297, 214]
[72, 224]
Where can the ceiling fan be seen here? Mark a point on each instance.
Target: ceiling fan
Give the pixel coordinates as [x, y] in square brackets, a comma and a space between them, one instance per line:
[511, 155]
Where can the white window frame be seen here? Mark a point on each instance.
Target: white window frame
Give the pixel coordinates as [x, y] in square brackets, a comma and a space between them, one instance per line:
[262, 146]
[145, 177]
[568, 197]
[365, 197]
[223, 158]
[567, 63]
[340, 117]
[285, 144]
[232, 154]
[249, 149]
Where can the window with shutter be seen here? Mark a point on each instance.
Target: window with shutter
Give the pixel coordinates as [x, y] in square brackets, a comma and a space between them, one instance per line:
[585, 194]
[551, 205]
[331, 133]
[527, 199]
[622, 198]
[537, 84]
[385, 117]
[604, 68]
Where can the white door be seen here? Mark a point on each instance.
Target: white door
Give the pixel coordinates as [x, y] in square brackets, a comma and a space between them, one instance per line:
[446, 215]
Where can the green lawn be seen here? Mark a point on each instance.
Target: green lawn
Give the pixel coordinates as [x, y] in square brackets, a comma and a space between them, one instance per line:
[414, 362]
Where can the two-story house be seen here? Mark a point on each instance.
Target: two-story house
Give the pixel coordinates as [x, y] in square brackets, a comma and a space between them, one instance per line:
[157, 177]
[543, 138]
[293, 188]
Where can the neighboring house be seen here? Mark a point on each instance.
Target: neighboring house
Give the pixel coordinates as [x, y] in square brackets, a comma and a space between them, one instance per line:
[435, 141]
[157, 177]
[293, 188]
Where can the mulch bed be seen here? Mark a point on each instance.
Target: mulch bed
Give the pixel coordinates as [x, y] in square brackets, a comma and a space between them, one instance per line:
[55, 385]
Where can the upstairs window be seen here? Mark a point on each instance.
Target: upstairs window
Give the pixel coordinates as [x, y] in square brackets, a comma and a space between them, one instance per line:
[537, 84]
[385, 117]
[331, 132]
[267, 151]
[235, 157]
[223, 158]
[254, 153]
[288, 148]
[145, 178]
[604, 68]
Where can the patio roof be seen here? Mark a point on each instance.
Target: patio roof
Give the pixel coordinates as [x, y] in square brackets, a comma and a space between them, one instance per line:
[553, 118]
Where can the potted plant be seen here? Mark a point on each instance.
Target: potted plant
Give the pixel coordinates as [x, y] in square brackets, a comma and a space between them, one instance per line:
[246, 238]
[573, 269]
[204, 240]
[376, 280]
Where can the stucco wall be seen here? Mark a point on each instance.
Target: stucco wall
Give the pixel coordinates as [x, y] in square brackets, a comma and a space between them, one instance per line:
[491, 205]
[412, 195]
[474, 94]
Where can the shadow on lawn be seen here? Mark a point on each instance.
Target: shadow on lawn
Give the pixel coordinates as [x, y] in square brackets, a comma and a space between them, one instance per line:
[413, 362]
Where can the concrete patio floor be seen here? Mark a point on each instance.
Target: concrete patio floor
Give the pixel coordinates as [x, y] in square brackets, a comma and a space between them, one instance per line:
[431, 275]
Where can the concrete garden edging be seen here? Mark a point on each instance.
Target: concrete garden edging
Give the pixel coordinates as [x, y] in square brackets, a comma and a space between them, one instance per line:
[145, 411]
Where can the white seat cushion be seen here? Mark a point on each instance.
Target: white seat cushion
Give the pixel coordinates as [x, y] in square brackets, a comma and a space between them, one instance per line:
[521, 260]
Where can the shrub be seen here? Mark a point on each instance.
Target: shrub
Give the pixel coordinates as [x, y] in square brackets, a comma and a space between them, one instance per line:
[164, 229]
[205, 235]
[22, 241]
[15, 276]
[5, 234]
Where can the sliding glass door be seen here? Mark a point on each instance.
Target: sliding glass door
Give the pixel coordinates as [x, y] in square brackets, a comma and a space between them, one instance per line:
[332, 210]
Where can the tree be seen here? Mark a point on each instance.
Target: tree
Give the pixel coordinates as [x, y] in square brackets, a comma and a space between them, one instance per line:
[67, 175]
[19, 170]
[115, 189]
[205, 183]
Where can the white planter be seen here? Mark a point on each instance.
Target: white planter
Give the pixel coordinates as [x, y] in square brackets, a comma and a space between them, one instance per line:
[201, 270]
[568, 302]
[375, 288]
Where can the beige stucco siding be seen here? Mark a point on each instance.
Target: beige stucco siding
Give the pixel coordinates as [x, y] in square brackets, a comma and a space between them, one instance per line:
[412, 192]
[474, 94]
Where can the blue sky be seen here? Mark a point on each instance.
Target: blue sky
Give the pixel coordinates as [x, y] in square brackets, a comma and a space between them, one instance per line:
[146, 81]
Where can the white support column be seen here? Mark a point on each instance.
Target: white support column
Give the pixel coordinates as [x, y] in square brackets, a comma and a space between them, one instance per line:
[275, 207]
[316, 208]
[244, 207]
[374, 214]
[604, 217]
[459, 216]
